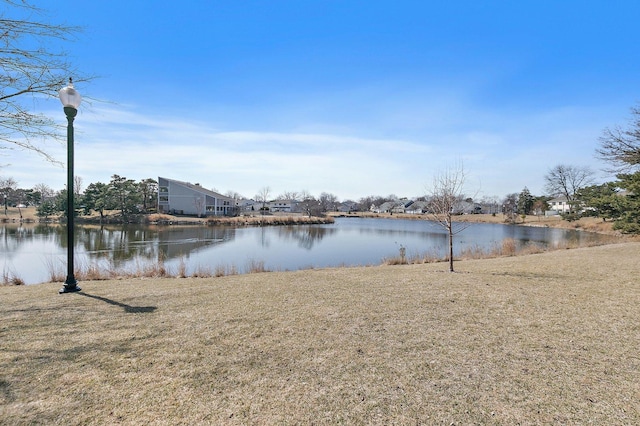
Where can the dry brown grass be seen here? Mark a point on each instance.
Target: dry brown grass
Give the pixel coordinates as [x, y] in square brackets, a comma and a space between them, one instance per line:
[10, 278]
[551, 338]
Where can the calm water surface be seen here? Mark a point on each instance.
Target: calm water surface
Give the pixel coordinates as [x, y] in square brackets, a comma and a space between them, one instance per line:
[31, 251]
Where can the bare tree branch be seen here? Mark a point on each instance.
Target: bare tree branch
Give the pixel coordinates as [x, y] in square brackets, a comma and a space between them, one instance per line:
[620, 147]
[30, 71]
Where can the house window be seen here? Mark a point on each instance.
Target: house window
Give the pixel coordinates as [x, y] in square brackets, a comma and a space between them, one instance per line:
[164, 198]
[163, 189]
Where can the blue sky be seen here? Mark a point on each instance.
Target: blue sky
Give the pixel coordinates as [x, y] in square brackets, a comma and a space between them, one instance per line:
[349, 97]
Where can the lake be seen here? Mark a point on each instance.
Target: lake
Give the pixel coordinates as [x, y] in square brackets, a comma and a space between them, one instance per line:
[32, 251]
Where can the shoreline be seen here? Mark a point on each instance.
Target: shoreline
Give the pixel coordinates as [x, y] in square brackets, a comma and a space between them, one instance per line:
[589, 224]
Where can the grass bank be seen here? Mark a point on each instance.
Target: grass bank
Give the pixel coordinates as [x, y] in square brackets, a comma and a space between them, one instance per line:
[549, 338]
[589, 224]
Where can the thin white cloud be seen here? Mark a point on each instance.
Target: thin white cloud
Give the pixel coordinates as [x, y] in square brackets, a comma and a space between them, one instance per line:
[502, 151]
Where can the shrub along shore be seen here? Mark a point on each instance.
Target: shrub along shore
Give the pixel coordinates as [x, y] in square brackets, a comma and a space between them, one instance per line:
[548, 338]
[28, 215]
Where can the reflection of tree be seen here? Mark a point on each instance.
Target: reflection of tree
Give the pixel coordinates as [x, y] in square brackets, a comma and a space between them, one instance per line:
[306, 236]
[264, 241]
[15, 235]
[118, 244]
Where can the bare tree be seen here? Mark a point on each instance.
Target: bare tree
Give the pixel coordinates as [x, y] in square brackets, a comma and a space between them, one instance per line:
[77, 185]
[8, 186]
[365, 203]
[8, 183]
[233, 194]
[568, 180]
[620, 147]
[263, 196]
[289, 195]
[308, 203]
[491, 202]
[445, 195]
[328, 202]
[31, 71]
[510, 207]
[46, 192]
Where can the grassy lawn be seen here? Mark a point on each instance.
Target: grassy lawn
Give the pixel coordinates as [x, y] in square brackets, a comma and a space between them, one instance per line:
[550, 338]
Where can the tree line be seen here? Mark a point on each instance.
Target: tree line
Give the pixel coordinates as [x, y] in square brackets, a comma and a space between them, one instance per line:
[126, 196]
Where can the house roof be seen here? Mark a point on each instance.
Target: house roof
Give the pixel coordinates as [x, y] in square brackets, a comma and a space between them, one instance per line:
[558, 199]
[418, 205]
[196, 187]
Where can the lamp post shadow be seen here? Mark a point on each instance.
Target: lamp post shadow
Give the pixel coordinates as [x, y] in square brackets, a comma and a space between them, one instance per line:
[127, 308]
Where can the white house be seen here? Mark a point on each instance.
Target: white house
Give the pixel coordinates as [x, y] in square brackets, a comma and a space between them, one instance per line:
[559, 205]
[389, 207]
[282, 206]
[276, 206]
[176, 197]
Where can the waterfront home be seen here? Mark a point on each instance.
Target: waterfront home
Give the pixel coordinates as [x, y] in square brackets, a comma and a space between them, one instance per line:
[184, 198]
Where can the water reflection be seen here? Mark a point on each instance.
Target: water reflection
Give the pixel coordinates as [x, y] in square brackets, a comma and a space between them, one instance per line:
[119, 244]
[28, 250]
[305, 236]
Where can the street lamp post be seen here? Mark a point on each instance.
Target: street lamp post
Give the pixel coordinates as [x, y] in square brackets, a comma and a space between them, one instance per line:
[70, 99]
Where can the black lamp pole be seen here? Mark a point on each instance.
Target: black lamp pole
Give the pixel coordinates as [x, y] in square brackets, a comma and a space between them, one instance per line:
[70, 110]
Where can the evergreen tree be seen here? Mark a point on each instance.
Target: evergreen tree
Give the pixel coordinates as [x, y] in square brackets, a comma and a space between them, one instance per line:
[98, 197]
[629, 205]
[620, 147]
[46, 209]
[601, 200]
[525, 202]
[125, 195]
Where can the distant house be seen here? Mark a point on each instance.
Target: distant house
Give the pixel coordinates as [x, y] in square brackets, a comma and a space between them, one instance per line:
[558, 205]
[183, 198]
[275, 206]
[282, 206]
[466, 207]
[348, 207]
[418, 207]
[245, 205]
[384, 207]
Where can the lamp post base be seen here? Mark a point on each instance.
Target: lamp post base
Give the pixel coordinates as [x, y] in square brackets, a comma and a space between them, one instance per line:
[69, 289]
[70, 286]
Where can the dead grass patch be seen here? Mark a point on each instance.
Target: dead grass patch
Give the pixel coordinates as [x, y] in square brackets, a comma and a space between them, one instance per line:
[10, 278]
[550, 338]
